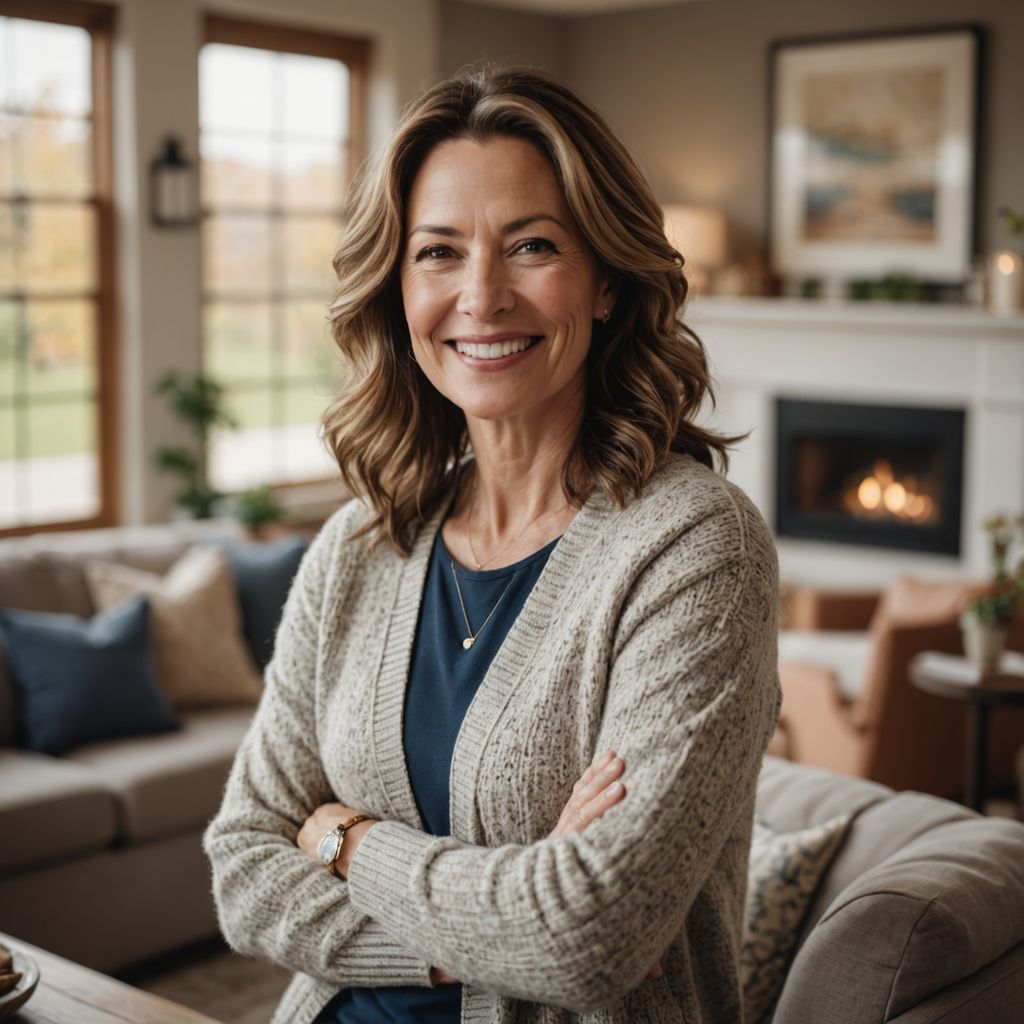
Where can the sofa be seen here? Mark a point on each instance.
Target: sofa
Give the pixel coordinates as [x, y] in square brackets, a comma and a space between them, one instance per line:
[918, 919]
[100, 852]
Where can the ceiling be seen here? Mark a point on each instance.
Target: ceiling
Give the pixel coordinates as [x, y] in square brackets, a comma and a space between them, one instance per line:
[577, 7]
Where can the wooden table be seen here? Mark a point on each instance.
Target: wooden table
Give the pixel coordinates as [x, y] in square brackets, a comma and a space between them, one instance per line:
[947, 675]
[71, 994]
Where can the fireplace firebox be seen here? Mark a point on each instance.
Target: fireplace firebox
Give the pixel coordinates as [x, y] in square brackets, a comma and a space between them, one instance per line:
[878, 475]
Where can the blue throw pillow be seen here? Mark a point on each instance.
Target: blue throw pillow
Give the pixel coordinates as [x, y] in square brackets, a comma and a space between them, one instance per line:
[263, 575]
[82, 680]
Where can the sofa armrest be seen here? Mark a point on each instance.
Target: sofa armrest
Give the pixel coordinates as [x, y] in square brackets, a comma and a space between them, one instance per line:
[812, 608]
[927, 918]
[994, 995]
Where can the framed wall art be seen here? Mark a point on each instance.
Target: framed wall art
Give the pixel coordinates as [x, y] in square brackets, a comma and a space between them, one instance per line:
[873, 155]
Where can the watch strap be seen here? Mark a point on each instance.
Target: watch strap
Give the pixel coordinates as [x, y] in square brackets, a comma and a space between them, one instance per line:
[339, 831]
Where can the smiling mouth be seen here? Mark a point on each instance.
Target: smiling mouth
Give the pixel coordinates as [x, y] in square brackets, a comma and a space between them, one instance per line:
[495, 349]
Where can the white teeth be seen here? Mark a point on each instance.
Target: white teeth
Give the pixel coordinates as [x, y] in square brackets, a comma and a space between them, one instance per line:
[493, 350]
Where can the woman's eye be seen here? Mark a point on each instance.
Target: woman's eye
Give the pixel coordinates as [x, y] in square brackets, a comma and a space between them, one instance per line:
[534, 245]
[433, 252]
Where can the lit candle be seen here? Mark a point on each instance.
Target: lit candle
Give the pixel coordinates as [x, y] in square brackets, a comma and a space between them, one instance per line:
[1005, 283]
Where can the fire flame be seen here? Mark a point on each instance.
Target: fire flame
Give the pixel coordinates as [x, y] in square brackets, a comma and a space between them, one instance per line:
[880, 495]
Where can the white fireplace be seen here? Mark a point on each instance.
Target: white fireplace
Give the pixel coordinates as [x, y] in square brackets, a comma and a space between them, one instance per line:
[888, 355]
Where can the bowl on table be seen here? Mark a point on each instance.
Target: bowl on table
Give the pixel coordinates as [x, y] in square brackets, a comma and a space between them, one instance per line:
[14, 962]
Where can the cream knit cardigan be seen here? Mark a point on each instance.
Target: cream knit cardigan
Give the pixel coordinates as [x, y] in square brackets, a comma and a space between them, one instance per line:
[652, 631]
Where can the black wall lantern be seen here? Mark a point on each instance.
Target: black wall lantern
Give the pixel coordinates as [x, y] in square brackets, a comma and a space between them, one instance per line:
[173, 188]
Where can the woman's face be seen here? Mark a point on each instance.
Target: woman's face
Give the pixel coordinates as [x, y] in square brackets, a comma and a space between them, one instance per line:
[500, 287]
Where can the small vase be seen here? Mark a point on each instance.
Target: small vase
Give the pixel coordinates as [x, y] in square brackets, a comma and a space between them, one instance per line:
[984, 643]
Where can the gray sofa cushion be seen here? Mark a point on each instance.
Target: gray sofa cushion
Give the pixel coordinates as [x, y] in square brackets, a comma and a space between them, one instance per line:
[28, 582]
[50, 810]
[993, 995]
[925, 917]
[169, 783]
[792, 797]
[880, 831]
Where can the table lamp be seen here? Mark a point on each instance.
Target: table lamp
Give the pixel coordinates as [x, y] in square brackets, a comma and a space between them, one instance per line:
[698, 232]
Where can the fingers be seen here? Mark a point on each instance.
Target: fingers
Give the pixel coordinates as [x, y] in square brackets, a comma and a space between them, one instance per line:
[656, 971]
[598, 789]
[440, 977]
[604, 769]
[604, 790]
[596, 766]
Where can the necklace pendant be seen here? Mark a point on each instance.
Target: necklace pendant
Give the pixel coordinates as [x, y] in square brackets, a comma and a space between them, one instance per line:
[467, 643]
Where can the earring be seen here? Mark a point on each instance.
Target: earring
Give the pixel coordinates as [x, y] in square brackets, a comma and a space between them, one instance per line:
[606, 316]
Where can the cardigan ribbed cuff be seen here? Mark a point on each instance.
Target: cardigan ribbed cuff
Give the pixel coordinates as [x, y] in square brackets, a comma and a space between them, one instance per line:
[376, 961]
[382, 870]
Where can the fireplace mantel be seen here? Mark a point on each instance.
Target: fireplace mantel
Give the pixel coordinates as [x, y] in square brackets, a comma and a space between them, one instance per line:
[915, 317]
[884, 353]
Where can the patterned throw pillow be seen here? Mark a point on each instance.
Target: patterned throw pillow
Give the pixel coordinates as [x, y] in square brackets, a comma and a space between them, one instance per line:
[785, 870]
[201, 657]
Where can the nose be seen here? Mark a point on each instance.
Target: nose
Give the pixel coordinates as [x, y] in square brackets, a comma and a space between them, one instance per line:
[485, 289]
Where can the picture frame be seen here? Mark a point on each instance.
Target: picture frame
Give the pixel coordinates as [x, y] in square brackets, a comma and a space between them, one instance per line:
[873, 155]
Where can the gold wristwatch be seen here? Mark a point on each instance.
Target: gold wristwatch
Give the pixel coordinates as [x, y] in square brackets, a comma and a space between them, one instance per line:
[329, 848]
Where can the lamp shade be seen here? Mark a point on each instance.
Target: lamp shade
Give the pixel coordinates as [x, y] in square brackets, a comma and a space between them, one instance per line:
[698, 232]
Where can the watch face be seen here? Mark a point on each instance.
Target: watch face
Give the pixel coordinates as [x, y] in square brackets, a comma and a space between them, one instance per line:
[328, 847]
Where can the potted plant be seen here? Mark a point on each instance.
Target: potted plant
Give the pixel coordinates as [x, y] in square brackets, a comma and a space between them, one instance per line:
[987, 616]
[258, 509]
[199, 401]
[1014, 223]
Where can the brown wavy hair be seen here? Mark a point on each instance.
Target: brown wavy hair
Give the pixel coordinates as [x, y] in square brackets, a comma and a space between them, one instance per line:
[396, 439]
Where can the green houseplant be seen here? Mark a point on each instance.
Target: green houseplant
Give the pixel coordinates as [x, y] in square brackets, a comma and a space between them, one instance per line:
[987, 616]
[1014, 222]
[200, 403]
[257, 509]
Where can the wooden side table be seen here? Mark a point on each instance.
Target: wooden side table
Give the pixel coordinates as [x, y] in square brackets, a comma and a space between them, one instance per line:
[946, 675]
[69, 993]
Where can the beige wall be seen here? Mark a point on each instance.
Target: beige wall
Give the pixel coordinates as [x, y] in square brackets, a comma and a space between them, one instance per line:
[686, 86]
[469, 32]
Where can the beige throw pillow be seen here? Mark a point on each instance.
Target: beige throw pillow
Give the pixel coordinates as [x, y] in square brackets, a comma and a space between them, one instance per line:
[785, 871]
[201, 658]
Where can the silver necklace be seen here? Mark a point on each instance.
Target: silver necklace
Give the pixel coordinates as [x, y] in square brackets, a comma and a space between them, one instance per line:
[471, 637]
[517, 537]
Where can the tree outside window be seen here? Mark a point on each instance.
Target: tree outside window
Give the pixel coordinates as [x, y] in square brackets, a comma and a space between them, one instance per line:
[56, 337]
[280, 134]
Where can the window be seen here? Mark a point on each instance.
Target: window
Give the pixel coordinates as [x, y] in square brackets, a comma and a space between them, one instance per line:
[280, 134]
[57, 344]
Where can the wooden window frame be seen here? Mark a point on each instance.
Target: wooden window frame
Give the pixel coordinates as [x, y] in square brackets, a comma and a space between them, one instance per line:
[352, 51]
[99, 20]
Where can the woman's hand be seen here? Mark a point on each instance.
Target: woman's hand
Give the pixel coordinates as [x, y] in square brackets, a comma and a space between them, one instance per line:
[321, 821]
[598, 789]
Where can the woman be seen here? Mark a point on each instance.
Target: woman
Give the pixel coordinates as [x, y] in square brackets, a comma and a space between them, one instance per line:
[474, 630]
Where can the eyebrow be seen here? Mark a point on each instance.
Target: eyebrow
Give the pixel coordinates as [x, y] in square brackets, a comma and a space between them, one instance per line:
[515, 225]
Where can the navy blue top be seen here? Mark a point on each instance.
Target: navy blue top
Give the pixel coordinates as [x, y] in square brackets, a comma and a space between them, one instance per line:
[443, 678]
